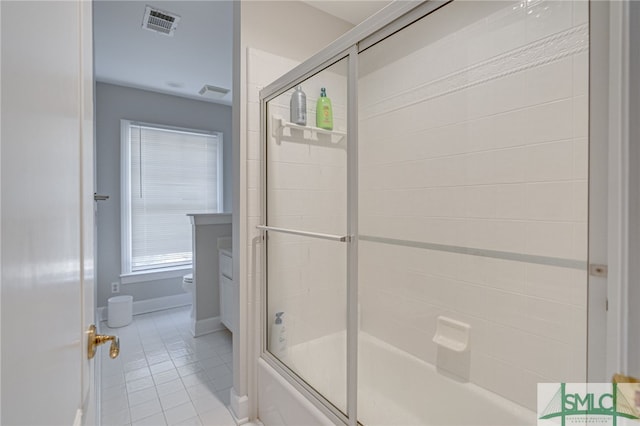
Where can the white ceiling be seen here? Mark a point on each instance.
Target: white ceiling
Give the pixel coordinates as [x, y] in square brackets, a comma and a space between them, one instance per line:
[199, 53]
[353, 11]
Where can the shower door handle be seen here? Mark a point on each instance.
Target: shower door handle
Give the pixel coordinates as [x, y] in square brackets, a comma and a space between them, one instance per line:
[97, 197]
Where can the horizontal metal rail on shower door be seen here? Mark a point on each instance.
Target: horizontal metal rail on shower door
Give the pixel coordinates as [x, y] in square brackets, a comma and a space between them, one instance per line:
[330, 237]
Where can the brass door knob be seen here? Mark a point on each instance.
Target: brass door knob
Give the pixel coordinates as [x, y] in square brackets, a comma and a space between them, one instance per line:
[96, 340]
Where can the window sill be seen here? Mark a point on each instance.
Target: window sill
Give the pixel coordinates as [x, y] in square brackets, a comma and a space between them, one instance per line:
[154, 274]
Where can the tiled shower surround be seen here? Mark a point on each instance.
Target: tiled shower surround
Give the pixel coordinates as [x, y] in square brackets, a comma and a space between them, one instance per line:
[307, 189]
[485, 147]
[473, 170]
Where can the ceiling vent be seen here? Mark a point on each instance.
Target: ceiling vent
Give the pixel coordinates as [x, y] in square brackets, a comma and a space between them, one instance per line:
[160, 21]
[213, 92]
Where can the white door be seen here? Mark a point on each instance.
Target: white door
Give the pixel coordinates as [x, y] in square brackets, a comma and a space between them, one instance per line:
[87, 166]
[47, 298]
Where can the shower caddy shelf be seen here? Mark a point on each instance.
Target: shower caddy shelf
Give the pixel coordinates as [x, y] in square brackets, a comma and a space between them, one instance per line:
[279, 124]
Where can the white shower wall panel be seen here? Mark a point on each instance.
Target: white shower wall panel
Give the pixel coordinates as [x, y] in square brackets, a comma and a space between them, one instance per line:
[477, 138]
[262, 68]
[306, 189]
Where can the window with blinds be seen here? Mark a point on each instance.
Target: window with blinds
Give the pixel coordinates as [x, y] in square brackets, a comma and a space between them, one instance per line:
[167, 173]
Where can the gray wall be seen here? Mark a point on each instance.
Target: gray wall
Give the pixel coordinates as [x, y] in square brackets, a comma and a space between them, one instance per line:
[114, 103]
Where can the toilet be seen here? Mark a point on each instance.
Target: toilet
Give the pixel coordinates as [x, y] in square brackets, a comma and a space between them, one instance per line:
[187, 285]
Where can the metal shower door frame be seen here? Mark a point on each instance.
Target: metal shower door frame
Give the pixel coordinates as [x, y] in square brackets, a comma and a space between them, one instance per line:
[388, 21]
[378, 27]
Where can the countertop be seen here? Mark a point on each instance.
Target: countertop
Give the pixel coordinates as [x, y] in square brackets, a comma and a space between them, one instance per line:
[209, 218]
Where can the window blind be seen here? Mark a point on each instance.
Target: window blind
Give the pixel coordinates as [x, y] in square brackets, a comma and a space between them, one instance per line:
[172, 173]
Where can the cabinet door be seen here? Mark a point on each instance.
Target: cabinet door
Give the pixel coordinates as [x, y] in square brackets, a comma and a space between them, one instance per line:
[226, 293]
[226, 266]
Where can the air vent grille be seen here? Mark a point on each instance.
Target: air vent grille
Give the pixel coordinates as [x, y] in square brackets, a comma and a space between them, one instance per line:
[160, 21]
[213, 92]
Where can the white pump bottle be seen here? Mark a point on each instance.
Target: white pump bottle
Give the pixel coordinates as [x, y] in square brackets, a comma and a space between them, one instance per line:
[278, 338]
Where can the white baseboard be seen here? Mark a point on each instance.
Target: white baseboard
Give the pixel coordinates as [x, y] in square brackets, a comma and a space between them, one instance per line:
[239, 407]
[153, 305]
[160, 303]
[206, 326]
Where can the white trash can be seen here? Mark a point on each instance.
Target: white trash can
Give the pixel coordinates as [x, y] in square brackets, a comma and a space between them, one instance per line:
[119, 311]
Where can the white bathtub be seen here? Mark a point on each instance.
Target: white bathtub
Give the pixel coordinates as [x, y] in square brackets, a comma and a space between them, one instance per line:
[396, 388]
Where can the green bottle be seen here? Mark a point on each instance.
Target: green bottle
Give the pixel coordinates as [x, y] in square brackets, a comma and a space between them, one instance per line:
[324, 112]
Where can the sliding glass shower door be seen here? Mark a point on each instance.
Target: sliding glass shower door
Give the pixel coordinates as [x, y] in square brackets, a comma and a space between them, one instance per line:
[473, 183]
[428, 265]
[306, 218]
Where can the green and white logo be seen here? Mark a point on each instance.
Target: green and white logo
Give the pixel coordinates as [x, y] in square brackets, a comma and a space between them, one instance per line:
[588, 404]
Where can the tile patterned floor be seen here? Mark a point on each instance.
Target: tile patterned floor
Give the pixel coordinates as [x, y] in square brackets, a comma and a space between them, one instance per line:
[164, 376]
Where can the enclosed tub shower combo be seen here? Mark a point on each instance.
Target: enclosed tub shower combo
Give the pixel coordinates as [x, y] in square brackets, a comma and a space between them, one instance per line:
[427, 255]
